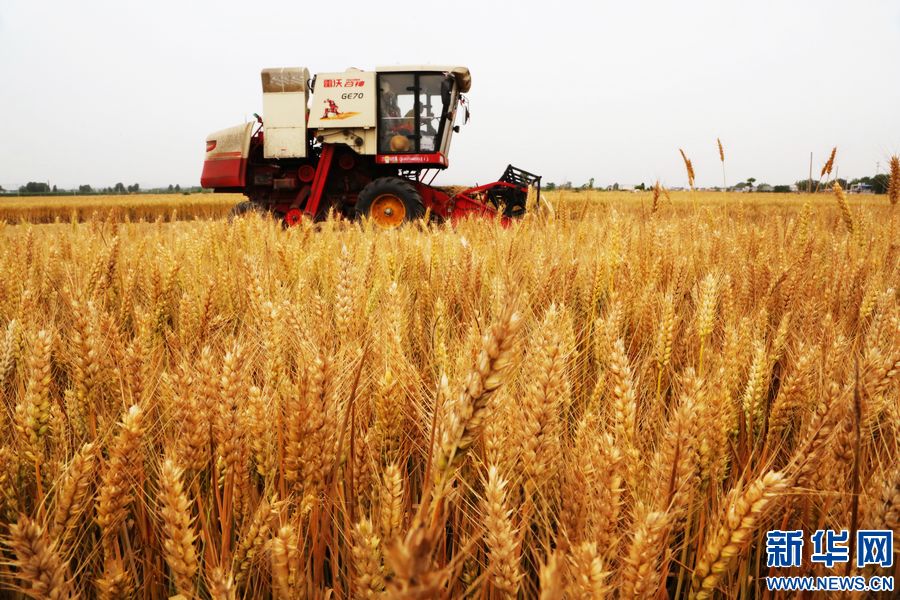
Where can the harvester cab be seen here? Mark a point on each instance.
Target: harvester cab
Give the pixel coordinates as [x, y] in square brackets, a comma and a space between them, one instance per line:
[359, 144]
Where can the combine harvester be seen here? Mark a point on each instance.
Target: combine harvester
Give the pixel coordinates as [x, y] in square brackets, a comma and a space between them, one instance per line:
[368, 145]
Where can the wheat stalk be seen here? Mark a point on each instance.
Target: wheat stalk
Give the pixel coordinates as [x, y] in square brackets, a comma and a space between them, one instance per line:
[287, 579]
[552, 586]
[367, 557]
[252, 542]
[744, 509]
[657, 191]
[640, 571]
[33, 413]
[588, 578]
[220, 584]
[829, 164]
[116, 488]
[116, 581]
[884, 508]
[625, 411]
[722, 160]
[689, 167]
[664, 339]
[391, 501]
[544, 400]
[846, 215]
[500, 536]
[706, 312]
[894, 181]
[179, 543]
[73, 498]
[44, 574]
[466, 414]
[826, 168]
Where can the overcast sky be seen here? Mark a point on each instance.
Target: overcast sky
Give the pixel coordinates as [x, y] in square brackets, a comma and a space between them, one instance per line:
[99, 92]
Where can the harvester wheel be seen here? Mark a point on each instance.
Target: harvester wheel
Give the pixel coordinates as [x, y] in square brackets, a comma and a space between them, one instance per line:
[244, 208]
[390, 202]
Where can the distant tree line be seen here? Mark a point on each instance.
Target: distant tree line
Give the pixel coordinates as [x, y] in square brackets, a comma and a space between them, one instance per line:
[40, 188]
[36, 187]
[878, 184]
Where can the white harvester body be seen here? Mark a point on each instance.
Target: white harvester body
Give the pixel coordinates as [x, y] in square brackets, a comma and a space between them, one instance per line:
[372, 112]
[285, 99]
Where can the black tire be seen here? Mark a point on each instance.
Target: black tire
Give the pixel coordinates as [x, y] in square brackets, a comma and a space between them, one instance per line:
[375, 193]
[244, 208]
[514, 211]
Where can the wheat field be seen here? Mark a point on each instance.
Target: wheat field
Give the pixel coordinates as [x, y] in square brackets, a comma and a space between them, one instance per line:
[126, 208]
[616, 397]
[118, 207]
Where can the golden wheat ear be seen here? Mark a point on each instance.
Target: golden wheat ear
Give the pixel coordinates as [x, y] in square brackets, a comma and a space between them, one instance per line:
[501, 537]
[368, 561]
[180, 553]
[40, 569]
[841, 198]
[689, 167]
[657, 191]
[73, 500]
[744, 512]
[894, 182]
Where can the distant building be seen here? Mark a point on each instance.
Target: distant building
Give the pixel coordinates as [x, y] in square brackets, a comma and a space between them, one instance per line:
[862, 188]
[764, 187]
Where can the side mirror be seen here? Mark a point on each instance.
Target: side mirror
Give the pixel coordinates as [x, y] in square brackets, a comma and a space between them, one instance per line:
[456, 129]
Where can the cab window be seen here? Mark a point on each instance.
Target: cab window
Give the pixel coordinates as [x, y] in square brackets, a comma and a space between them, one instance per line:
[411, 112]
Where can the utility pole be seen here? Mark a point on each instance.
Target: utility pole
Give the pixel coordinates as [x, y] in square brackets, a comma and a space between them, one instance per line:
[809, 185]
